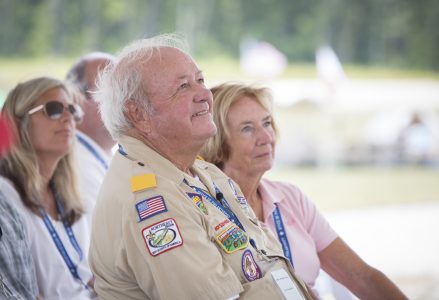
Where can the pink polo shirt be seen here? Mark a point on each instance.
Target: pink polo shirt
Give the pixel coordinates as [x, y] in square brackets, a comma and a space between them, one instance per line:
[307, 230]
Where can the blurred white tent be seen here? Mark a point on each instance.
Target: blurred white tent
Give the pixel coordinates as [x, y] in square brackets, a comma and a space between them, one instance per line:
[329, 68]
[261, 59]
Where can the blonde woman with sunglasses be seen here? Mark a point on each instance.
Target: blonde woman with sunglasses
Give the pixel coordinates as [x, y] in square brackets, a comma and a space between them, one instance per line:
[38, 177]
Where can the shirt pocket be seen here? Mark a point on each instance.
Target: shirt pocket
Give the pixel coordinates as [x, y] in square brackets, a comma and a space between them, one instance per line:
[264, 288]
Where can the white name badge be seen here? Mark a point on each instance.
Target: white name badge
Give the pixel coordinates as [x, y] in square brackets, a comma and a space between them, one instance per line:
[288, 288]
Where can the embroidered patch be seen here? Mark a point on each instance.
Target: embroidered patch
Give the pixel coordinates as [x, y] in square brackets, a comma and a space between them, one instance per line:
[242, 200]
[143, 182]
[150, 207]
[250, 268]
[162, 236]
[232, 239]
[222, 224]
[198, 201]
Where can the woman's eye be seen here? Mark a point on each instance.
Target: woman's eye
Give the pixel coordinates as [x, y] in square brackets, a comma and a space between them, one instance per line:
[246, 129]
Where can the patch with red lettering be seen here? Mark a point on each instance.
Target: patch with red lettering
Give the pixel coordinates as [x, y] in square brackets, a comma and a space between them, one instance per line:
[222, 224]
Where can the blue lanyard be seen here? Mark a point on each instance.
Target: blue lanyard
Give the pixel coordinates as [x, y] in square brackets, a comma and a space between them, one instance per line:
[121, 150]
[280, 229]
[59, 245]
[93, 151]
[221, 203]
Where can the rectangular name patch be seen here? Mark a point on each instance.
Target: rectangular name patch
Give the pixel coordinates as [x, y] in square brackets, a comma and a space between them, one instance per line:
[150, 207]
[162, 236]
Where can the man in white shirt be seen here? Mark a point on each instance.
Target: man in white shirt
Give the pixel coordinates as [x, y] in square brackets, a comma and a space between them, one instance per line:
[94, 143]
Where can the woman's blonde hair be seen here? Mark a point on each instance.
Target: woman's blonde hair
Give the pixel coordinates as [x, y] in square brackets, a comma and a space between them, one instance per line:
[21, 164]
[216, 149]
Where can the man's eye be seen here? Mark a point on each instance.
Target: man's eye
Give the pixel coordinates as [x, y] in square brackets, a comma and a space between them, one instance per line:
[267, 124]
[201, 80]
[184, 85]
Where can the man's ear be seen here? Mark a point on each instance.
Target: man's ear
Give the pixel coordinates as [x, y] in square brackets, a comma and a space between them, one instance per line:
[138, 116]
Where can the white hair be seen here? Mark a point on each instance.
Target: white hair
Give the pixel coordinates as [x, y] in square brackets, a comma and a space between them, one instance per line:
[122, 80]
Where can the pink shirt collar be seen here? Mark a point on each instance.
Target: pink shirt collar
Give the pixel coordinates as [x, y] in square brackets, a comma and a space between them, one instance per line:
[269, 198]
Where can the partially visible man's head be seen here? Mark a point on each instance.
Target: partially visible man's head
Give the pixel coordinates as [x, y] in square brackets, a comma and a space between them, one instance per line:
[84, 71]
[156, 87]
[84, 74]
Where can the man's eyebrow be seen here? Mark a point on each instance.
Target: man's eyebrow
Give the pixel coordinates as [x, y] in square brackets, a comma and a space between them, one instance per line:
[186, 76]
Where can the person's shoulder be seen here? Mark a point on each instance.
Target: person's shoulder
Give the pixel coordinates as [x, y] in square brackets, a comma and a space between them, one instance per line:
[208, 167]
[286, 190]
[10, 200]
[280, 185]
[127, 172]
[7, 188]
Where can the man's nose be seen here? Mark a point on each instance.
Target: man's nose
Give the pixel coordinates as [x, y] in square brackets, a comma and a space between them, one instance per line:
[203, 94]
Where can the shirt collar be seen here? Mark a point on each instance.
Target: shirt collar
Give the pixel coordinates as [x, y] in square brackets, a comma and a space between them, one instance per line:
[270, 197]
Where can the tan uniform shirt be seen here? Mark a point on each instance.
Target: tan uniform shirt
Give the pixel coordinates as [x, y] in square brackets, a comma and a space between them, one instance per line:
[155, 237]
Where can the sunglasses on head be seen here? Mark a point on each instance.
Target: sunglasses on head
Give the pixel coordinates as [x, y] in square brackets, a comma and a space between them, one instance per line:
[55, 109]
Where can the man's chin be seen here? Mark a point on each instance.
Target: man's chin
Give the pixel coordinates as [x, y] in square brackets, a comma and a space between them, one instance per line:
[212, 133]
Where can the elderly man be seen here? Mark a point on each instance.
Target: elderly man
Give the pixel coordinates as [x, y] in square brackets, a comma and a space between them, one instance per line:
[166, 224]
[94, 143]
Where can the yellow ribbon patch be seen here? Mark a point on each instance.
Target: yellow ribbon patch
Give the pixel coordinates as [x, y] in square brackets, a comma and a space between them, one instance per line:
[143, 182]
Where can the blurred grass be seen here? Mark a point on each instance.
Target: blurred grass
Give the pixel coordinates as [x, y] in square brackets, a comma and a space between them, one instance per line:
[15, 70]
[225, 68]
[219, 68]
[353, 187]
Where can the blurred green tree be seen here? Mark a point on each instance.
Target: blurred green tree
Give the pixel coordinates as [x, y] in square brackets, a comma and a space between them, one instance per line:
[400, 33]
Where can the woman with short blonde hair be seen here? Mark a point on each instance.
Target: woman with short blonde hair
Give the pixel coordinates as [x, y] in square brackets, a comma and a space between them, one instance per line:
[244, 149]
[216, 149]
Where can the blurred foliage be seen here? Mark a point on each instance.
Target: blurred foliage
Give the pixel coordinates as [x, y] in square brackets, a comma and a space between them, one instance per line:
[401, 33]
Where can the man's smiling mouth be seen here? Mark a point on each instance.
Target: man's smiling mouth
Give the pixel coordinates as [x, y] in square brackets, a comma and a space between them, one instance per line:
[200, 113]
